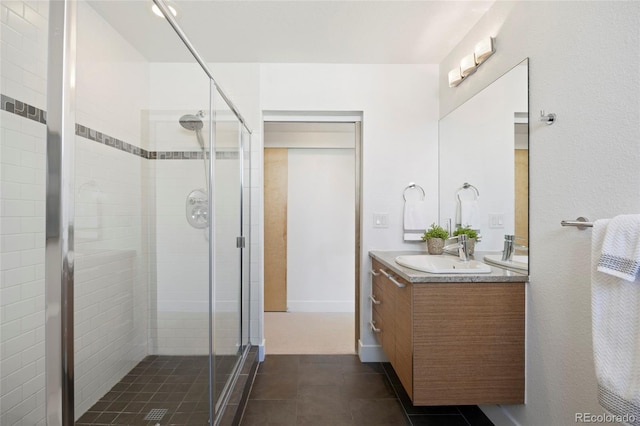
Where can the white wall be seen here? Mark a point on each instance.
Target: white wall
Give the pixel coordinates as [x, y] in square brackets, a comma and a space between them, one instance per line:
[584, 62]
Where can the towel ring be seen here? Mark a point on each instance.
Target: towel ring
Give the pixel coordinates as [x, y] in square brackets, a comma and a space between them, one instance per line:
[466, 186]
[412, 186]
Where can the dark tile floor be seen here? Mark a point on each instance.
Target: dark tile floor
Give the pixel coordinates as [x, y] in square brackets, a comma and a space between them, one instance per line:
[339, 390]
[177, 384]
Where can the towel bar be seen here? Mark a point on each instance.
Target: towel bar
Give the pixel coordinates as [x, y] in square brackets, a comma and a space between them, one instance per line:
[581, 223]
[412, 186]
[466, 186]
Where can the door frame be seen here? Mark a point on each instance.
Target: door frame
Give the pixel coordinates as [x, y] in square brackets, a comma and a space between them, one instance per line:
[355, 117]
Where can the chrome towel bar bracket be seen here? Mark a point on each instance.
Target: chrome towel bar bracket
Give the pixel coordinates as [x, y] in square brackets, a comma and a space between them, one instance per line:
[581, 223]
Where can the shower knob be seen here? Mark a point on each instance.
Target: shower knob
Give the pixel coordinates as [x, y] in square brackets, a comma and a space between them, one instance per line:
[197, 209]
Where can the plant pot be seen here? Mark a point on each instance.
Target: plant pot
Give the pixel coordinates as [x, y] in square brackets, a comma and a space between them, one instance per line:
[471, 245]
[435, 245]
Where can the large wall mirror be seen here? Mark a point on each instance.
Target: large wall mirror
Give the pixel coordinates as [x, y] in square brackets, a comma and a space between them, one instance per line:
[484, 162]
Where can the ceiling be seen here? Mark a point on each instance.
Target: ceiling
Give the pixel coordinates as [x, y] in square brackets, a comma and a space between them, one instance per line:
[300, 31]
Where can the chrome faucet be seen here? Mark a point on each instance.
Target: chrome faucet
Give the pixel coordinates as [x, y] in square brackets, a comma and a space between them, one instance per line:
[461, 245]
[510, 247]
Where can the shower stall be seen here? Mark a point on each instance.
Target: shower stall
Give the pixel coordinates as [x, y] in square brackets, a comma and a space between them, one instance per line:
[125, 293]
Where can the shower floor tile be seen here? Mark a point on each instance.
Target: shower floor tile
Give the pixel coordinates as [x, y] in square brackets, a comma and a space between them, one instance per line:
[179, 384]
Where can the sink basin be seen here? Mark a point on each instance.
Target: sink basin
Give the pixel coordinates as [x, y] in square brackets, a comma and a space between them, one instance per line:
[519, 263]
[442, 264]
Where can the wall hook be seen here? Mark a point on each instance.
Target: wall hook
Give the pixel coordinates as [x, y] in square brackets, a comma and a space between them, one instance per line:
[547, 118]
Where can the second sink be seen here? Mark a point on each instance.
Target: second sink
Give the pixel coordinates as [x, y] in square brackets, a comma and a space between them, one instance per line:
[442, 264]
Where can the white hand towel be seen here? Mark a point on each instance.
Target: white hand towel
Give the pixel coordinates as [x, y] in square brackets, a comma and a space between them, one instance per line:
[621, 247]
[615, 305]
[415, 215]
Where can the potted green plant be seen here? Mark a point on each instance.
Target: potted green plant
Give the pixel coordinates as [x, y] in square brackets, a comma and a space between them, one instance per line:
[472, 237]
[435, 237]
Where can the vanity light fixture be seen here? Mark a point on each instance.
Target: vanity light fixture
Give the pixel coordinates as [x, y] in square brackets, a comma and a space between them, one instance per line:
[468, 65]
[483, 50]
[470, 62]
[157, 12]
[455, 77]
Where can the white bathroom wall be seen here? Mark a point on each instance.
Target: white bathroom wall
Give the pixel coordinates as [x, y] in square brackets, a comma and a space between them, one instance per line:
[584, 62]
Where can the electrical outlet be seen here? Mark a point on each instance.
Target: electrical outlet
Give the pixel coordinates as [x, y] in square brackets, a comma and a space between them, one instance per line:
[381, 220]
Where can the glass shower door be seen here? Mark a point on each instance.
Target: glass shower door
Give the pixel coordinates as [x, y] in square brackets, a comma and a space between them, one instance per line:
[227, 273]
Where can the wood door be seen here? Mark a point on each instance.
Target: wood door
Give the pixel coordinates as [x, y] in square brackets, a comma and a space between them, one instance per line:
[275, 229]
[522, 195]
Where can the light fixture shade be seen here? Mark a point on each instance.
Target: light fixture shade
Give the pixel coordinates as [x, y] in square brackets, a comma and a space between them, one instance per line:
[483, 50]
[467, 65]
[454, 77]
[157, 12]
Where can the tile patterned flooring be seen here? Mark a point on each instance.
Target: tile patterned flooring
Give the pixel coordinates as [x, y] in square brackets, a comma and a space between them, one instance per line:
[178, 384]
[339, 390]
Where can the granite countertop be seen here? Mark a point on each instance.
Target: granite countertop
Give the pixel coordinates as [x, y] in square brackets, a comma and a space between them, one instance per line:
[497, 274]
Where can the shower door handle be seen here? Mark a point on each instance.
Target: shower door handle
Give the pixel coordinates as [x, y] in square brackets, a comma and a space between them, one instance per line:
[240, 242]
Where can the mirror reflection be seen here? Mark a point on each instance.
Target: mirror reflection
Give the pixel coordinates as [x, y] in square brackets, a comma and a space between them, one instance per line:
[484, 163]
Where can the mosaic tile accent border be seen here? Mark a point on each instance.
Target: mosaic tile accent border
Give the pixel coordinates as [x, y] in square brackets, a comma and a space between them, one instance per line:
[30, 112]
[105, 139]
[22, 109]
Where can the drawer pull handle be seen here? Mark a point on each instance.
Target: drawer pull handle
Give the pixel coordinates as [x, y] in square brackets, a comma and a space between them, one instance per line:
[373, 299]
[392, 279]
[373, 327]
[374, 273]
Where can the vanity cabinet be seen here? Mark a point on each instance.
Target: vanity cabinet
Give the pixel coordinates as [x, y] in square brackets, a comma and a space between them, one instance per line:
[452, 343]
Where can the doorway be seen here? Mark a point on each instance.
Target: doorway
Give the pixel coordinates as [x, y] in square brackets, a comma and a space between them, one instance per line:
[311, 189]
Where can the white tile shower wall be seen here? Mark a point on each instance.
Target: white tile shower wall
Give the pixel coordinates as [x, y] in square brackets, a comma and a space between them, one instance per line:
[180, 292]
[24, 33]
[111, 269]
[23, 38]
[22, 316]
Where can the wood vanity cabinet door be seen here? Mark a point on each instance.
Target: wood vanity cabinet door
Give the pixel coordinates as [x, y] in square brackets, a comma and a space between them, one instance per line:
[468, 343]
[403, 364]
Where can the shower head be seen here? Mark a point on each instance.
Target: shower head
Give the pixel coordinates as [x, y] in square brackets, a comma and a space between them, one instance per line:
[193, 123]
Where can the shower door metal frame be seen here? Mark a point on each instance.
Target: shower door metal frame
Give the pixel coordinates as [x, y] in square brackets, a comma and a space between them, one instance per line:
[59, 244]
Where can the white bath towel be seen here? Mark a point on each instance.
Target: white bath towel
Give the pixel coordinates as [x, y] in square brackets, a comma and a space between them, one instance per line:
[615, 304]
[467, 213]
[621, 247]
[415, 219]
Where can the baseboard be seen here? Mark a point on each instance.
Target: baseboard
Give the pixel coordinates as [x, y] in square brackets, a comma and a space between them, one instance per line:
[321, 306]
[371, 353]
[498, 415]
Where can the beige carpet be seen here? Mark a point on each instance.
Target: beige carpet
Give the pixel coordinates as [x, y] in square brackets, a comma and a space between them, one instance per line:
[309, 333]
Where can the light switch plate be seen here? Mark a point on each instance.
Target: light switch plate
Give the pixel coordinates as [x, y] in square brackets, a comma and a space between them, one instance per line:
[381, 220]
[496, 221]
